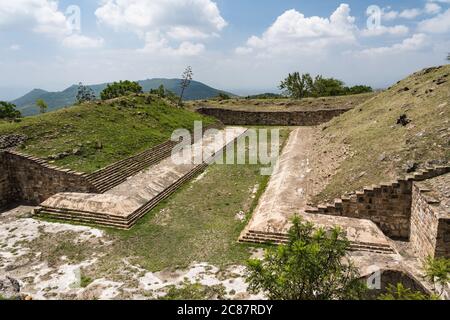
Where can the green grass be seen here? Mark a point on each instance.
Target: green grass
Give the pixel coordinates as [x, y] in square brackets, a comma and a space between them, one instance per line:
[306, 104]
[196, 224]
[380, 147]
[104, 132]
[195, 291]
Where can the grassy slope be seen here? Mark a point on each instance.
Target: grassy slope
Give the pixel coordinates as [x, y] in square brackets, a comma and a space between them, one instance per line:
[285, 104]
[124, 127]
[379, 147]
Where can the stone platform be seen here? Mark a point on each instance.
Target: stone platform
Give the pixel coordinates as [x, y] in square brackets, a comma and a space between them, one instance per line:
[124, 204]
[286, 196]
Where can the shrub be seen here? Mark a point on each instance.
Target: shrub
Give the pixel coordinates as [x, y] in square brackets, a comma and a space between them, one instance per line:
[8, 111]
[399, 292]
[223, 96]
[438, 270]
[119, 89]
[312, 266]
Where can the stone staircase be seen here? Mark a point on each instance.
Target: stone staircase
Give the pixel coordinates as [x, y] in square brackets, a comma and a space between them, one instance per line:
[271, 238]
[335, 208]
[113, 175]
[116, 221]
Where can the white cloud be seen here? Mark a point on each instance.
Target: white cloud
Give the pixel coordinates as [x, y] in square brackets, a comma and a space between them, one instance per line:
[179, 20]
[432, 8]
[399, 30]
[77, 41]
[44, 17]
[293, 32]
[437, 24]
[14, 47]
[155, 43]
[410, 13]
[389, 15]
[416, 42]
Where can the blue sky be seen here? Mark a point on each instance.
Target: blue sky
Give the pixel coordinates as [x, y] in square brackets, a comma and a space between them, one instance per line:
[244, 46]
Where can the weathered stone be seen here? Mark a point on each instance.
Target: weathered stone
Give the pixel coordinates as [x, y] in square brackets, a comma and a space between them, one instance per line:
[12, 140]
[9, 288]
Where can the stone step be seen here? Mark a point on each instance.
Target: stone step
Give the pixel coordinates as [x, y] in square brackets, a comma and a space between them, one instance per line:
[125, 169]
[137, 158]
[131, 164]
[115, 221]
[276, 238]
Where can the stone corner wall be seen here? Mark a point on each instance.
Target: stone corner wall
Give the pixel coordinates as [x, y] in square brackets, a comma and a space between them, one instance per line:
[28, 179]
[388, 205]
[430, 229]
[272, 118]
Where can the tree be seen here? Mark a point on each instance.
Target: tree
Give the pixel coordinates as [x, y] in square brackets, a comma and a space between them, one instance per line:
[8, 111]
[448, 57]
[160, 91]
[186, 79]
[85, 94]
[312, 266]
[295, 85]
[41, 105]
[119, 89]
[299, 86]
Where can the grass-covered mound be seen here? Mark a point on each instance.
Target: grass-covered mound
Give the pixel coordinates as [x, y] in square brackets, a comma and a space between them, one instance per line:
[306, 104]
[90, 136]
[379, 146]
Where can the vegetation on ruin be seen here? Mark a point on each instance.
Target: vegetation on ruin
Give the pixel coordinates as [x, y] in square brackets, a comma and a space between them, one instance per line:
[283, 104]
[400, 292]
[92, 135]
[311, 266]
[438, 270]
[382, 148]
[120, 89]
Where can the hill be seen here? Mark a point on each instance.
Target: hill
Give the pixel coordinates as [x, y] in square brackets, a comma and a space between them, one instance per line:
[67, 97]
[400, 130]
[90, 136]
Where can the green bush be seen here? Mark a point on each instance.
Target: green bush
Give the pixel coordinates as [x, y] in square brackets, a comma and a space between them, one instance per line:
[438, 270]
[119, 89]
[223, 96]
[399, 292]
[312, 266]
[8, 111]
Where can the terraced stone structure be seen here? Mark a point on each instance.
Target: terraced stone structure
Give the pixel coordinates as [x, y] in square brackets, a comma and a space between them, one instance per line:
[123, 205]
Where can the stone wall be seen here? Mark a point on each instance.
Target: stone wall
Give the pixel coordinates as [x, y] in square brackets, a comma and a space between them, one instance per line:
[430, 226]
[388, 205]
[272, 118]
[31, 180]
[6, 192]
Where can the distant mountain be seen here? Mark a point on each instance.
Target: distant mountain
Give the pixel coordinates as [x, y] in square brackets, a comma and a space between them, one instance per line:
[58, 100]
